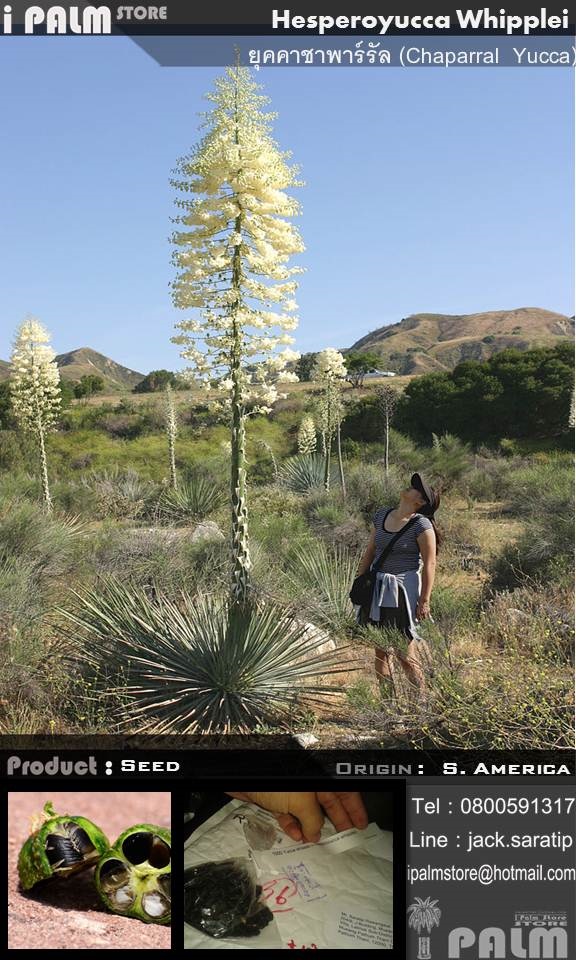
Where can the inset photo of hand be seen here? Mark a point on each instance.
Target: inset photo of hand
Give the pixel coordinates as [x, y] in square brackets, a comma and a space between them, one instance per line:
[289, 870]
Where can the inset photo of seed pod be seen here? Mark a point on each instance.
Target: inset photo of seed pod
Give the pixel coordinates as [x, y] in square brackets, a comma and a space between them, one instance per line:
[133, 877]
[85, 869]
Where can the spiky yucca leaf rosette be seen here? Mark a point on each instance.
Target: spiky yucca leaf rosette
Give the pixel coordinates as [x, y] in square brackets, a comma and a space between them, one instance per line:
[202, 664]
[61, 846]
[133, 876]
[302, 473]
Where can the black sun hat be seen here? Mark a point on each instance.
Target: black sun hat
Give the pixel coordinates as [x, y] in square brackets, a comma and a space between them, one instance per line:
[430, 495]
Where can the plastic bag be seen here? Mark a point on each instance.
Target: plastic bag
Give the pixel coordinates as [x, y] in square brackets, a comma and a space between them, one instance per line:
[221, 898]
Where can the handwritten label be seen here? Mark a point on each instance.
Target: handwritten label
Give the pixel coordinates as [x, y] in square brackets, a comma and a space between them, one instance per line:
[308, 887]
[280, 891]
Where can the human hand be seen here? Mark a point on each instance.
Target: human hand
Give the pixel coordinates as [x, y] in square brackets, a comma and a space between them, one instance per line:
[301, 814]
[423, 610]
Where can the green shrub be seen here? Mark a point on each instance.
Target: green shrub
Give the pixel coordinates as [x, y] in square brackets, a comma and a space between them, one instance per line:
[489, 478]
[38, 553]
[118, 493]
[448, 460]
[509, 704]
[17, 451]
[538, 488]
[369, 487]
[163, 564]
[332, 518]
[125, 426]
[538, 624]
[452, 608]
[47, 542]
[542, 494]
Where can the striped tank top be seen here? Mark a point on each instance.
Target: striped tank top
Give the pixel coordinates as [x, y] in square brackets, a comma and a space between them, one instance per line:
[405, 553]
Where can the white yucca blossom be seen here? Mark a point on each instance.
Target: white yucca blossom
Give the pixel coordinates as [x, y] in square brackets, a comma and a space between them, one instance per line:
[307, 436]
[237, 241]
[35, 388]
[329, 365]
[232, 255]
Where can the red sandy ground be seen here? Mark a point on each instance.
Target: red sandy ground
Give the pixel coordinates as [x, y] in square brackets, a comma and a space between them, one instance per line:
[68, 914]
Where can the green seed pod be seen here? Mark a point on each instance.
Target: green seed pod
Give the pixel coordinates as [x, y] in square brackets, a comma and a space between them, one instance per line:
[133, 877]
[63, 845]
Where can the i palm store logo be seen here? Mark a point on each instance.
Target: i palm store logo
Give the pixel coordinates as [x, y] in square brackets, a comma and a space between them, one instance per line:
[424, 915]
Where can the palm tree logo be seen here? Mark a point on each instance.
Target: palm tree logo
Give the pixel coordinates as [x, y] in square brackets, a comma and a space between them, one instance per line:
[424, 915]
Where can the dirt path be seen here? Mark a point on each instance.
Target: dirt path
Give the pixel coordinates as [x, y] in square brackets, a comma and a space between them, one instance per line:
[68, 914]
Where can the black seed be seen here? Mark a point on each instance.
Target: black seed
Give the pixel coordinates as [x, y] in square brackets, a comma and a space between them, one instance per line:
[159, 854]
[62, 852]
[142, 847]
[79, 838]
[135, 847]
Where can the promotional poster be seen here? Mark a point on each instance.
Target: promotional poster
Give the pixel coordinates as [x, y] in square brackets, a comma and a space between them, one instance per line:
[287, 479]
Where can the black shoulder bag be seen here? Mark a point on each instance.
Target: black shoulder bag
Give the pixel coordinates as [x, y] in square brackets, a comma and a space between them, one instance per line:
[363, 586]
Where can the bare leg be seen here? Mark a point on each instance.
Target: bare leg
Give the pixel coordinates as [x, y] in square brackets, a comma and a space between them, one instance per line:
[384, 667]
[412, 661]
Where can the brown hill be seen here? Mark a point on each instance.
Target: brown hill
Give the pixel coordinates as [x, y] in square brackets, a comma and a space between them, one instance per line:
[78, 363]
[429, 342]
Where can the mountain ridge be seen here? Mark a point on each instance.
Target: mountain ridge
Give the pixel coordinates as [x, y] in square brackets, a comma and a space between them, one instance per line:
[436, 342]
[78, 363]
[419, 343]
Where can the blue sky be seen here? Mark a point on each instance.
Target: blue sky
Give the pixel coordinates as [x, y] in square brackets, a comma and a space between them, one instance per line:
[426, 190]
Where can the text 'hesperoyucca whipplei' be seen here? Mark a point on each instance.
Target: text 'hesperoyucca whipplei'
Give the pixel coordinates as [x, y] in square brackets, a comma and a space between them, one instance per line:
[232, 259]
[35, 388]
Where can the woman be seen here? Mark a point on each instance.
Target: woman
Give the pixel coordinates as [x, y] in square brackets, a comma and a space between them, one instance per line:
[401, 595]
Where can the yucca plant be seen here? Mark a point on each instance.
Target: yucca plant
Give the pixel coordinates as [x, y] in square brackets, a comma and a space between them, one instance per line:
[326, 575]
[35, 390]
[118, 493]
[302, 473]
[232, 253]
[193, 499]
[199, 665]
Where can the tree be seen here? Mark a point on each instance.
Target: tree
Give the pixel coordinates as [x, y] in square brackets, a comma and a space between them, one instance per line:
[305, 366]
[237, 238]
[307, 436]
[6, 416]
[387, 399]
[67, 391]
[359, 364]
[88, 385]
[155, 381]
[35, 389]
[330, 371]
[171, 433]
[514, 394]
